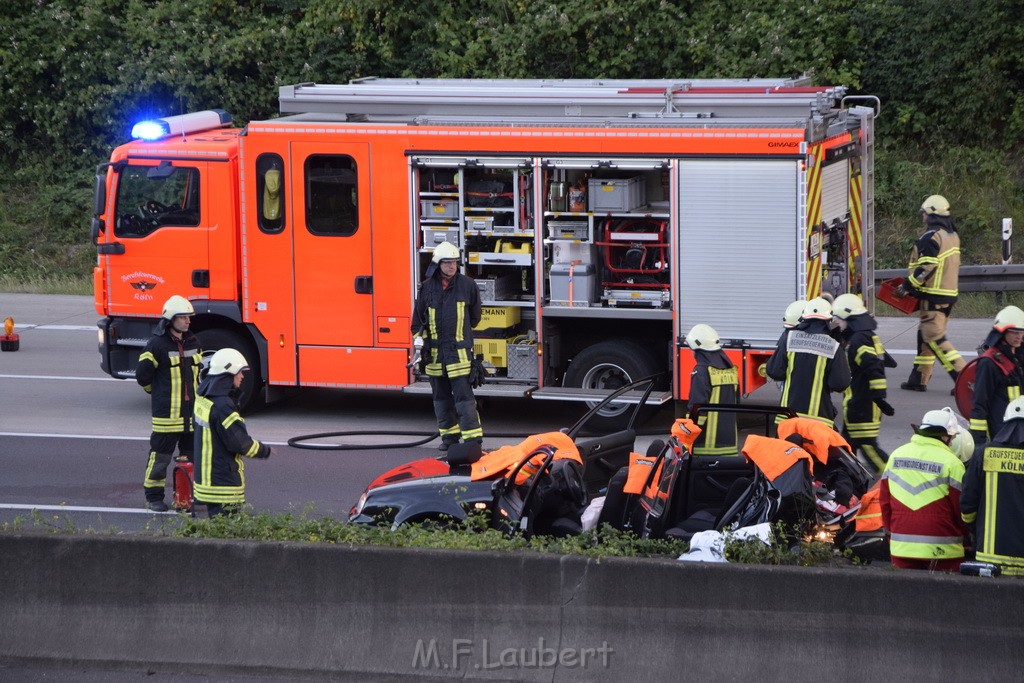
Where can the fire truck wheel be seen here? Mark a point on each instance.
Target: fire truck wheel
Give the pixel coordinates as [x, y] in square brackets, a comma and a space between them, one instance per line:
[609, 365]
[250, 395]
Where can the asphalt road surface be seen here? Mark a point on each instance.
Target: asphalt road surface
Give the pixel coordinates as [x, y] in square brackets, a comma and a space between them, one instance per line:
[74, 442]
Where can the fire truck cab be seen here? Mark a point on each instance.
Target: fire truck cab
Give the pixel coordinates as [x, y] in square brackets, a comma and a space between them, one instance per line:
[600, 219]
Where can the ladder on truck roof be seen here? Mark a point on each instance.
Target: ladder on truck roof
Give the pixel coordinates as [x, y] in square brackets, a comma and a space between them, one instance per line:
[564, 99]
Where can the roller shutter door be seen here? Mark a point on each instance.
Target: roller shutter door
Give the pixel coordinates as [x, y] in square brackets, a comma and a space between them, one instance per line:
[835, 191]
[741, 245]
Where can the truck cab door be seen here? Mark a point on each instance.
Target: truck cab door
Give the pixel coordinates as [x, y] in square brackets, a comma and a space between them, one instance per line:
[332, 244]
[160, 242]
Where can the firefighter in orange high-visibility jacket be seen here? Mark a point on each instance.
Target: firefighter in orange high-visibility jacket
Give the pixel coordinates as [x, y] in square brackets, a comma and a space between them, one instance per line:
[168, 370]
[992, 503]
[714, 380]
[933, 277]
[864, 401]
[998, 375]
[920, 497]
[811, 364]
[221, 439]
[447, 309]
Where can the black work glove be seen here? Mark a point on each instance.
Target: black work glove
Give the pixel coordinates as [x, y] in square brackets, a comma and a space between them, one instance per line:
[884, 406]
[902, 290]
[477, 373]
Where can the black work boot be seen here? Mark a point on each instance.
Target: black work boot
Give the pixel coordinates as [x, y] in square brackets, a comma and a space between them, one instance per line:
[914, 382]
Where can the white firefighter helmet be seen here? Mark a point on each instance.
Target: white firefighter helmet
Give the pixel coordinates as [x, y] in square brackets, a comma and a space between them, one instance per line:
[227, 361]
[817, 309]
[704, 337]
[944, 419]
[1014, 411]
[936, 204]
[1010, 318]
[446, 251]
[791, 318]
[846, 305]
[177, 305]
[962, 444]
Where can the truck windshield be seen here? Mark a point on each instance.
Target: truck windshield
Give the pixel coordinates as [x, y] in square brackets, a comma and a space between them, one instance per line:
[148, 201]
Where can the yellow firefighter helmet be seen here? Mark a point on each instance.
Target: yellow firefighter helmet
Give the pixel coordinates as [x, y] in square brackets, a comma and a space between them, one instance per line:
[703, 337]
[846, 305]
[936, 204]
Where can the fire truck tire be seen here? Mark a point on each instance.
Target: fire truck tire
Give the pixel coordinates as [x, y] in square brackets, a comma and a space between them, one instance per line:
[610, 365]
[251, 396]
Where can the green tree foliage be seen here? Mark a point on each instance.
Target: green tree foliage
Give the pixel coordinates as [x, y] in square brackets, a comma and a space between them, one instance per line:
[75, 75]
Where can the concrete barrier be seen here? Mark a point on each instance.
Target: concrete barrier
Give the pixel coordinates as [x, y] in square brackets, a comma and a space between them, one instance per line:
[284, 609]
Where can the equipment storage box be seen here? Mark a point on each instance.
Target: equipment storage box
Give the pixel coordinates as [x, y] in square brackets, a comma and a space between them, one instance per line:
[434, 236]
[494, 351]
[498, 288]
[497, 322]
[567, 252]
[522, 361]
[573, 285]
[438, 208]
[606, 195]
[479, 222]
[576, 230]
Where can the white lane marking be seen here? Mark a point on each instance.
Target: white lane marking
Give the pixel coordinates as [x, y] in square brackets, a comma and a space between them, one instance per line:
[62, 328]
[103, 436]
[81, 508]
[63, 377]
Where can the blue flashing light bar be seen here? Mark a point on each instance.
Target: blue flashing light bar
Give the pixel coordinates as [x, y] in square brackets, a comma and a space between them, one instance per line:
[181, 125]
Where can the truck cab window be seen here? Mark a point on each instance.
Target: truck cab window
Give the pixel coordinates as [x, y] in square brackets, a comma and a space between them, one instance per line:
[147, 201]
[332, 206]
[270, 195]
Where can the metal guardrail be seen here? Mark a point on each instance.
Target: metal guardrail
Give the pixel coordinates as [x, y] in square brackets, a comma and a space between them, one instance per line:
[1008, 278]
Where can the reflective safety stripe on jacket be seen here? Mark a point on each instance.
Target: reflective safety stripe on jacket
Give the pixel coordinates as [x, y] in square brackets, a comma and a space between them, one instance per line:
[168, 370]
[715, 385]
[221, 441]
[920, 496]
[993, 500]
[934, 268]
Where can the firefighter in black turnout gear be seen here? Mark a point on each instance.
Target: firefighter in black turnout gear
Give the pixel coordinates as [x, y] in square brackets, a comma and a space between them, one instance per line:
[221, 439]
[992, 502]
[999, 375]
[811, 363]
[447, 310]
[714, 380]
[864, 401]
[168, 370]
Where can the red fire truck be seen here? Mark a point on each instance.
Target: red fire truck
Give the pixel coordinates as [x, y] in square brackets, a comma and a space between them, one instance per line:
[600, 219]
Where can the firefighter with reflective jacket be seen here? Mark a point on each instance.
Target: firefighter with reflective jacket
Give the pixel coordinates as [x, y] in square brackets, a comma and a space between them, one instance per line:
[221, 439]
[168, 370]
[811, 364]
[992, 503]
[998, 376]
[934, 275]
[920, 497]
[864, 401]
[447, 309]
[714, 380]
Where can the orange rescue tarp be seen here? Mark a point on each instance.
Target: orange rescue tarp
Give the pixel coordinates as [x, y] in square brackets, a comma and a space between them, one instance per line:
[498, 462]
[639, 469]
[686, 432]
[869, 517]
[774, 456]
[818, 436]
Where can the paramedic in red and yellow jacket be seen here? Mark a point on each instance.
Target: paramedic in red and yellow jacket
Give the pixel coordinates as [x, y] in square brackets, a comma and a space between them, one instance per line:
[920, 498]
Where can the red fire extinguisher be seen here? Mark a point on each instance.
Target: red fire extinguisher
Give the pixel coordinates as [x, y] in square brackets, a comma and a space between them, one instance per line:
[181, 479]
